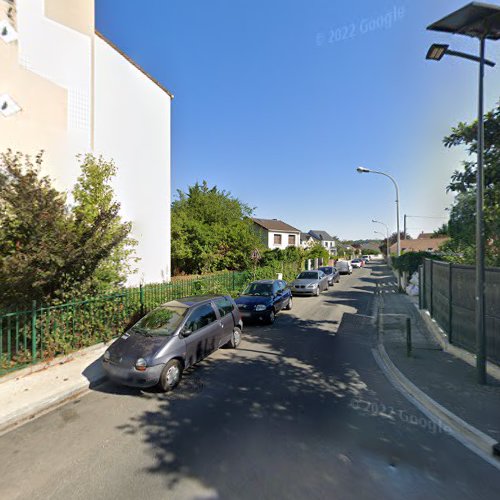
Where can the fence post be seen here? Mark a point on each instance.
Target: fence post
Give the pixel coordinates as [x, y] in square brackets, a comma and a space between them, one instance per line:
[424, 296]
[432, 289]
[141, 298]
[33, 332]
[450, 298]
[408, 337]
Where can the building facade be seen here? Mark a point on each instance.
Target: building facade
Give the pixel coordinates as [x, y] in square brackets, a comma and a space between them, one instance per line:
[325, 239]
[275, 233]
[67, 90]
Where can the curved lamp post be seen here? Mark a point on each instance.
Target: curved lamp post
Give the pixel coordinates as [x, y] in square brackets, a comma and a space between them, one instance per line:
[387, 239]
[482, 21]
[363, 170]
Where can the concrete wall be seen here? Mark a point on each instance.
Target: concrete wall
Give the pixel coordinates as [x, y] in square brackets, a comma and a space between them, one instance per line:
[132, 126]
[78, 94]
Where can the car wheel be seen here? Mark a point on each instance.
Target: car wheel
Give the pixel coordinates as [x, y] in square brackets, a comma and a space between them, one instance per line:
[171, 375]
[272, 317]
[317, 291]
[289, 305]
[235, 338]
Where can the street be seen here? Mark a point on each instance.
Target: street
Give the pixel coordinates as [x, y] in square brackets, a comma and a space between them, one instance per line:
[300, 410]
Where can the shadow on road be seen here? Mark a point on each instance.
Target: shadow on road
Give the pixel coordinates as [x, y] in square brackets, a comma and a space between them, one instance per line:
[259, 407]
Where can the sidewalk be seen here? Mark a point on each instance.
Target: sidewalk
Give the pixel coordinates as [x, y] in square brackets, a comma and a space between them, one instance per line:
[26, 393]
[446, 379]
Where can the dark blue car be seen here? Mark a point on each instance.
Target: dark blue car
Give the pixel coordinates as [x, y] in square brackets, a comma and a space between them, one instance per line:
[261, 300]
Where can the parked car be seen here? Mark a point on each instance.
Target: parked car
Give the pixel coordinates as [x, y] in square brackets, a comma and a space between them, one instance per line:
[332, 273]
[170, 339]
[263, 299]
[356, 263]
[344, 267]
[309, 283]
[367, 258]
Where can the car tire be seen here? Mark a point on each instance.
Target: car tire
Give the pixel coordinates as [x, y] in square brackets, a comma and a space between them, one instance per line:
[171, 375]
[235, 338]
[272, 317]
[317, 292]
[289, 305]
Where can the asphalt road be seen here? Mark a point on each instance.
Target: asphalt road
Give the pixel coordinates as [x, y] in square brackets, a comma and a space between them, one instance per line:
[300, 410]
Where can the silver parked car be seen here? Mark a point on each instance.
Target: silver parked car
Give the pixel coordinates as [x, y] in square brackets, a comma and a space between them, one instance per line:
[170, 339]
[309, 283]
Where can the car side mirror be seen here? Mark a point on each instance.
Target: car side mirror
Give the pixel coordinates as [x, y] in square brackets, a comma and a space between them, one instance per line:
[279, 293]
[186, 332]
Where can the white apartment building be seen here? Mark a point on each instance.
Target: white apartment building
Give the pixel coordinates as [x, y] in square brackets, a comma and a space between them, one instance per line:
[66, 89]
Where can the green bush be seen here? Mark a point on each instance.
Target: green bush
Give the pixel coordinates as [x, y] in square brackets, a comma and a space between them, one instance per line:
[410, 261]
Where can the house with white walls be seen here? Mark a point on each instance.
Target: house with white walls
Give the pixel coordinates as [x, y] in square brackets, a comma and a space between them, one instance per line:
[325, 239]
[68, 90]
[275, 233]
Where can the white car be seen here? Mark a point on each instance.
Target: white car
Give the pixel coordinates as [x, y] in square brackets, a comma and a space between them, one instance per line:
[356, 263]
[344, 267]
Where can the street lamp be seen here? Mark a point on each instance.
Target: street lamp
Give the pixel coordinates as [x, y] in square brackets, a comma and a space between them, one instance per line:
[481, 21]
[387, 239]
[386, 242]
[363, 170]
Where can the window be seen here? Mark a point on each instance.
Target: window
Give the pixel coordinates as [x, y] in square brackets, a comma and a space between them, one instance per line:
[224, 306]
[200, 317]
[291, 239]
[277, 239]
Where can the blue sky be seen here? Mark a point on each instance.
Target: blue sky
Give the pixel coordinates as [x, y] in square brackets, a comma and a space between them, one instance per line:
[278, 102]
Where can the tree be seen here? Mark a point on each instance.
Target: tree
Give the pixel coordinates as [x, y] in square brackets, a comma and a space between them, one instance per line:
[463, 183]
[317, 251]
[441, 231]
[94, 201]
[211, 230]
[49, 251]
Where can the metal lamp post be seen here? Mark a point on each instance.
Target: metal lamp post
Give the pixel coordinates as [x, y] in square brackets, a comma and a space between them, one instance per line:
[481, 21]
[387, 239]
[363, 170]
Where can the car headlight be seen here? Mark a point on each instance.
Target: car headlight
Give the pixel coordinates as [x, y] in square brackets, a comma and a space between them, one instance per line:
[312, 285]
[141, 365]
[260, 307]
[106, 356]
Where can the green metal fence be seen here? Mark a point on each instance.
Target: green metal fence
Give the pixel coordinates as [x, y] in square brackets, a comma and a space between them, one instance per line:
[43, 332]
[448, 293]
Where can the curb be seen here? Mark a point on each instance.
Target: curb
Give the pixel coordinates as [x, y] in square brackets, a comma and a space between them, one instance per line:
[59, 360]
[473, 439]
[458, 352]
[41, 407]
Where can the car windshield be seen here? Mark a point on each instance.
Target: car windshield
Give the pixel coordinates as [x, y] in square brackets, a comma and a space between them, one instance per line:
[162, 321]
[259, 289]
[308, 275]
[326, 270]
